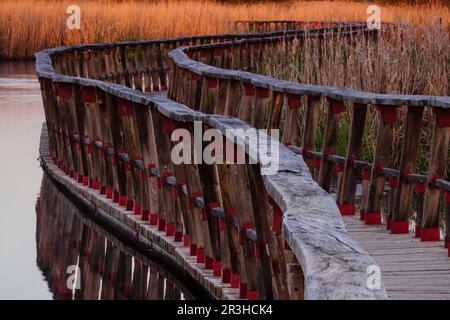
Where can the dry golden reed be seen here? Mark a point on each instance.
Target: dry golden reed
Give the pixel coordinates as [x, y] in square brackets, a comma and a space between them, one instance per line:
[27, 26]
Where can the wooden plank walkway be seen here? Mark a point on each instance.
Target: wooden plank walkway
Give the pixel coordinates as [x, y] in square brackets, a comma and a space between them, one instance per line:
[410, 269]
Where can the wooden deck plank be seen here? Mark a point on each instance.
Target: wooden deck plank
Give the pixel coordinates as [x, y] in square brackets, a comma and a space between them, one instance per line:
[410, 269]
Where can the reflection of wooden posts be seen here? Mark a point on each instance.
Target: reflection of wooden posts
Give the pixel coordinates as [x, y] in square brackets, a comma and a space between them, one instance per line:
[387, 116]
[405, 190]
[327, 167]
[347, 190]
[436, 170]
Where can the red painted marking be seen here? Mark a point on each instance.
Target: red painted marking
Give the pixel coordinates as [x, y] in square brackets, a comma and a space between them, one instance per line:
[186, 240]
[212, 82]
[243, 291]
[420, 187]
[193, 250]
[153, 219]
[235, 280]
[217, 269]
[222, 225]
[430, 234]
[340, 167]
[137, 208]
[277, 218]
[347, 209]
[125, 107]
[86, 180]
[262, 93]
[447, 197]
[122, 200]
[233, 212]
[337, 106]
[393, 182]
[170, 229]
[161, 224]
[248, 225]
[64, 91]
[252, 295]
[209, 263]
[200, 255]
[399, 227]
[204, 215]
[217, 52]
[372, 218]
[317, 162]
[249, 89]
[365, 174]
[388, 113]
[294, 100]
[226, 275]
[178, 236]
[442, 117]
[88, 94]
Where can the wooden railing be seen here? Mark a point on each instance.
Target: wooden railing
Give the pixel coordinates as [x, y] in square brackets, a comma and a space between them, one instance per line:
[269, 236]
[259, 100]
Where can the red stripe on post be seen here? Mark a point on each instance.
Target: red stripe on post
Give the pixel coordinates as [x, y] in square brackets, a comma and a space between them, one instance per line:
[447, 197]
[277, 218]
[186, 240]
[137, 208]
[388, 113]
[193, 250]
[248, 225]
[170, 229]
[125, 107]
[204, 216]
[243, 291]
[399, 227]
[420, 187]
[372, 218]
[393, 182]
[226, 275]
[64, 90]
[347, 209]
[365, 174]
[316, 164]
[222, 225]
[130, 205]
[235, 280]
[340, 167]
[337, 106]
[430, 234]
[252, 295]
[153, 219]
[262, 93]
[217, 269]
[294, 100]
[442, 117]
[88, 94]
[212, 82]
[200, 255]
[161, 225]
[122, 200]
[249, 89]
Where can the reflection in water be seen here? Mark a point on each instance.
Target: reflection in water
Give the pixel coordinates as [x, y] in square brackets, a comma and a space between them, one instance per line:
[21, 117]
[73, 249]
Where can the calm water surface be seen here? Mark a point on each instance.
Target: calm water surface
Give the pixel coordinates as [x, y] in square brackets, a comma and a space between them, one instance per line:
[41, 232]
[21, 117]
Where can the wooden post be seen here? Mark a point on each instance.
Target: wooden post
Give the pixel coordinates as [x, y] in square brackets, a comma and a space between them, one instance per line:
[310, 129]
[346, 200]
[388, 116]
[335, 108]
[405, 189]
[436, 170]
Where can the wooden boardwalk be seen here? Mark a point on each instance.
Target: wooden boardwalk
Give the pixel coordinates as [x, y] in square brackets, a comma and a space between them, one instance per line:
[410, 269]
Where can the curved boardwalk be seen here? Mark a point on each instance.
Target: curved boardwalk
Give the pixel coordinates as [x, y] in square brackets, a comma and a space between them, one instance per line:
[410, 268]
[237, 231]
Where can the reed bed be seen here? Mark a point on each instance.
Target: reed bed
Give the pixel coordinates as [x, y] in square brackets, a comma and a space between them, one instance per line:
[27, 26]
[403, 59]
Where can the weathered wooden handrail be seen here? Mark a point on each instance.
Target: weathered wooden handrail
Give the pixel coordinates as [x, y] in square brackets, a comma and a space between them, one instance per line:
[117, 140]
